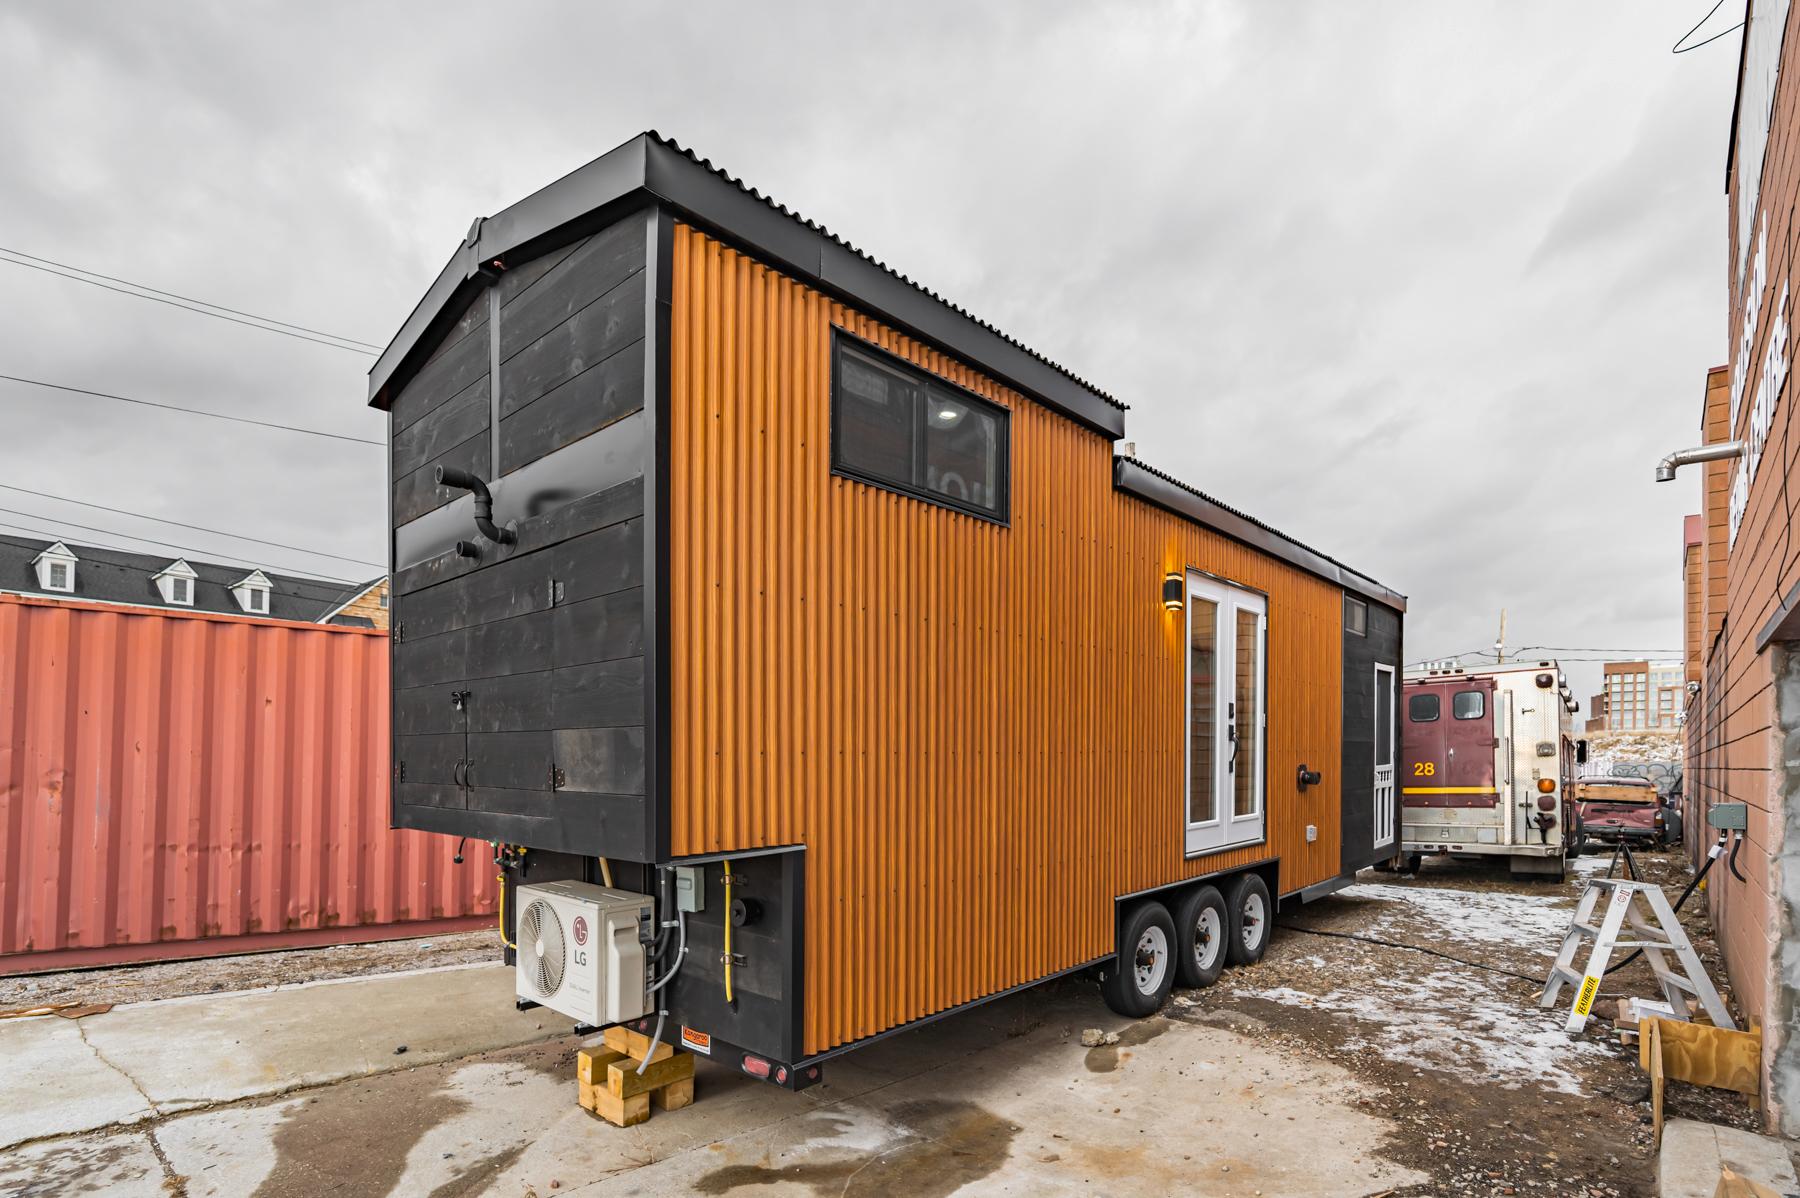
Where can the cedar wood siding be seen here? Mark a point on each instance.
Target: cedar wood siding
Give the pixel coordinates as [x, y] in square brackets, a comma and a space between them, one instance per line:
[975, 730]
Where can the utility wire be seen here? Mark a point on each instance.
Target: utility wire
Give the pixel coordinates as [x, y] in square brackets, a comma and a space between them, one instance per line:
[169, 407]
[217, 315]
[299, 328]
[132, 536]
[195, 527]
[1678, 48]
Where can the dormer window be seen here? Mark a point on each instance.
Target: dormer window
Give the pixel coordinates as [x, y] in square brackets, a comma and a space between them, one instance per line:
[55, 568]
[175, 583]
[252, 593]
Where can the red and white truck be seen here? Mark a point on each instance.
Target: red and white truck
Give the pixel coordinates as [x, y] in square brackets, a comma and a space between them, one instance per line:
[1486, 764]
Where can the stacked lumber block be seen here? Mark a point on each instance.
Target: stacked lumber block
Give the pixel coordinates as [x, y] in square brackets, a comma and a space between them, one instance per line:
[612, 1088]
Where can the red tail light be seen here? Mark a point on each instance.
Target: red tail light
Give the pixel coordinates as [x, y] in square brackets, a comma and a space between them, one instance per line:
[756, 1066]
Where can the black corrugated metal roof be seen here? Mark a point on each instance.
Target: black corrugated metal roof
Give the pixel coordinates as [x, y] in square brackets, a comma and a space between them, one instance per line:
[116, 576]
[1165, 490]
[653, 169]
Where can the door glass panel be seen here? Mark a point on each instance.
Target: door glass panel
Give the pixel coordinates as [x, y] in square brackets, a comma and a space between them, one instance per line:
[1249, 735]
[1203, 711]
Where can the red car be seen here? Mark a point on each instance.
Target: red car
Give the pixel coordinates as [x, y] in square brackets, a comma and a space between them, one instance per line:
[1611, 810]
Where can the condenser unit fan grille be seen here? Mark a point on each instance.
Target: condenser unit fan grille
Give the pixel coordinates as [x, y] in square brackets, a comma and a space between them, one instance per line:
[541, 947]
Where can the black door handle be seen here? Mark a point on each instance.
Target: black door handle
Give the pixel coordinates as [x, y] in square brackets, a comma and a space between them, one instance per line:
[1231, 731]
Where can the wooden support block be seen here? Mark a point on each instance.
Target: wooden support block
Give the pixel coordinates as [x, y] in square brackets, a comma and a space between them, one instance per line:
[1704, 1055]
[591, 1063]
[673, 1096]
[621, 1112]
[623, 1079]
[635, 1045]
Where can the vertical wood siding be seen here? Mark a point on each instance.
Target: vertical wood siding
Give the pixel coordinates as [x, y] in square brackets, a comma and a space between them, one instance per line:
[167, 779]
[975, 730]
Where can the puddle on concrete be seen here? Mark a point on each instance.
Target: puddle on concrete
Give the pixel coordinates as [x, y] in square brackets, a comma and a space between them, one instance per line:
[1105, 1058]
[474, 1179]
[353, 1140]
[942, 1147]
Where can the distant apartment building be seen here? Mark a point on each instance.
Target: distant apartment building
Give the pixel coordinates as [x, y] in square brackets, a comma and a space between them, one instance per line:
[1596, 721]
[1640, 696]
[92, 574]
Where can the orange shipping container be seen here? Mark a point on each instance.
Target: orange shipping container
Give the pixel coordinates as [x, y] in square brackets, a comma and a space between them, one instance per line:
[177, 785]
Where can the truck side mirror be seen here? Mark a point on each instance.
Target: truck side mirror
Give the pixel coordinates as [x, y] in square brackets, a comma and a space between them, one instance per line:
[1581, 752]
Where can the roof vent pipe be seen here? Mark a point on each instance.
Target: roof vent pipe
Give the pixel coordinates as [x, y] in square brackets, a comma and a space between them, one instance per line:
[1665, 469]
[462, 480]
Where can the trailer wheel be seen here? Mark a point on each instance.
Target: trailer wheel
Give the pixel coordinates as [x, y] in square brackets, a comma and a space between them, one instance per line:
[1143, 971]
[1202, 927]
[1252, 915]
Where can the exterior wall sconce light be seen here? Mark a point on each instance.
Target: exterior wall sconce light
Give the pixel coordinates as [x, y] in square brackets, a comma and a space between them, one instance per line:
[1174, 586]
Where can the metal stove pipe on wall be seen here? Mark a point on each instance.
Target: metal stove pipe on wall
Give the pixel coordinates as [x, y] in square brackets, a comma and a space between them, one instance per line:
[1718, 451]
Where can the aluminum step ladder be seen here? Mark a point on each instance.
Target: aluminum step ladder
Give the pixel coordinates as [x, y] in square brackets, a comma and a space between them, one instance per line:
[1658, 940]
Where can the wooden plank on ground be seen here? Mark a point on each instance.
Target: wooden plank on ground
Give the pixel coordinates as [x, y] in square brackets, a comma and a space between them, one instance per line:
[1652, 1044]
[1705, 1055]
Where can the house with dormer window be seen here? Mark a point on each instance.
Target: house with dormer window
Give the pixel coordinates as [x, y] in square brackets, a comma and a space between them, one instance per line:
[95, 574]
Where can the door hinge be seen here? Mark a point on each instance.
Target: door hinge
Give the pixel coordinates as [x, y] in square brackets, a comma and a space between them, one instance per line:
[557, 779]
[399, 633]
[399, 771]
[556, 592]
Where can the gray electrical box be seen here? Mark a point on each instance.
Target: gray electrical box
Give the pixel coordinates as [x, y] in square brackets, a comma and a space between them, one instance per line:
[690, 889]
[1729, 817]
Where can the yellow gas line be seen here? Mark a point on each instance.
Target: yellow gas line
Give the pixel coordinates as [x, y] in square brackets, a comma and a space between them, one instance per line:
[728, 997]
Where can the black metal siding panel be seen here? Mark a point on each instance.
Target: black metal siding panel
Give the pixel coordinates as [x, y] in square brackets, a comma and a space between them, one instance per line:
[1361, 653]
[542, 642]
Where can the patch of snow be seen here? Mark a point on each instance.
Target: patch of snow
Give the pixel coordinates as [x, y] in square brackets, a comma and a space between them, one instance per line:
[1454, 1021]
[1534, 923]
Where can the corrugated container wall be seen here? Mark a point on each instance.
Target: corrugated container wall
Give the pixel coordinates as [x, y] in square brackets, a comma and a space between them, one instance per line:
[179, 785]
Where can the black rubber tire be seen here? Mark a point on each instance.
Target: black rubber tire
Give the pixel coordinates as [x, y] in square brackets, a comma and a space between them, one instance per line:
[1124, 988]
[1413, 862]
[1202, 925]
[1249, 930]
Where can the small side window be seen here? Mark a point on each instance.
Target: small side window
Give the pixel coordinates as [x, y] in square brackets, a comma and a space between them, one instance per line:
[59, 577]
[1422, 708]
[1468, 705]
[1356, 616]
[179, 592]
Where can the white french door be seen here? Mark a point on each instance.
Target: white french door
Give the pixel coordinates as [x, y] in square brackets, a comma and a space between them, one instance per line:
[1384, 755]
[1227, 714]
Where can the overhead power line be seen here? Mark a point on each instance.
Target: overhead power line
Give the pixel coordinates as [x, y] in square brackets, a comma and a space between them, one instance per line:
[169, 407]
[213, 311]
[1678, 48]
[220, 532]
[298, 328]
[185, 550]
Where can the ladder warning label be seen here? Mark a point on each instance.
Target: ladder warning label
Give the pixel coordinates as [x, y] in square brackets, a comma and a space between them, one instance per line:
[1584, 1002]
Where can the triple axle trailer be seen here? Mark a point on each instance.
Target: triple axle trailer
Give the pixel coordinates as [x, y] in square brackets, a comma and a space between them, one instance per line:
[810, 657]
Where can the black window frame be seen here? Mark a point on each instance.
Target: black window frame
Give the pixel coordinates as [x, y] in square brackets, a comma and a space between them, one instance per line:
[928, 382]
[1353, 604]
[1479, 715]
[1437, 707]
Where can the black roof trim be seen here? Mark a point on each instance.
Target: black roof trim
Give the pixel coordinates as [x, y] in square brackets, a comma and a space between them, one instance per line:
[651, 169]
[1165, 491]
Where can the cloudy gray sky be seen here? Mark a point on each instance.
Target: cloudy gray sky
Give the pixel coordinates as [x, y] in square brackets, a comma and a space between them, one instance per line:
[1428, 286]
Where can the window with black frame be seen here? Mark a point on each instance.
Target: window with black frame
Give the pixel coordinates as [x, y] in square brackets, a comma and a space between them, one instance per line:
[898, 427]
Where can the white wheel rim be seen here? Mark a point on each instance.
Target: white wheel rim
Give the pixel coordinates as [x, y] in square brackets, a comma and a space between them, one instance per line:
[1152, 960]
[1207, 939]
[1253, 921]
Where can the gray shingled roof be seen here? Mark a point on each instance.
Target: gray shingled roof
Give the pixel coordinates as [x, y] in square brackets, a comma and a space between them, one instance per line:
[115, 576]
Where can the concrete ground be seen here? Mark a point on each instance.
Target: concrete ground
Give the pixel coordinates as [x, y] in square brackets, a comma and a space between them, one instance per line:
[1335, 1067]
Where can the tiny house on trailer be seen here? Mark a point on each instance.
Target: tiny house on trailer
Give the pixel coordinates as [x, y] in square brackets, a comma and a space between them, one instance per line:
[809, 658]
[1488, 765]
